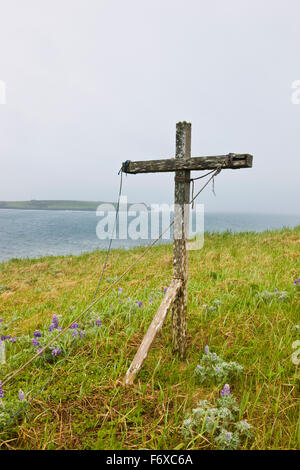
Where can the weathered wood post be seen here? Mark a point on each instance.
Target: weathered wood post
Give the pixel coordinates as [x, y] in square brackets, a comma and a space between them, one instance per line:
[176, 295]
[181, 231]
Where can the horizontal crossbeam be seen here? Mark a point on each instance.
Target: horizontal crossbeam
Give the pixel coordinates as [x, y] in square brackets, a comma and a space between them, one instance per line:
[232, 161]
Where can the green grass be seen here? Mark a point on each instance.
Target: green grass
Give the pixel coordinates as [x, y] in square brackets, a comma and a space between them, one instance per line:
[86, 406]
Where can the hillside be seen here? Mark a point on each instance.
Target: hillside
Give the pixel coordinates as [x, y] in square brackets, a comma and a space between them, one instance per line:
[242, 304]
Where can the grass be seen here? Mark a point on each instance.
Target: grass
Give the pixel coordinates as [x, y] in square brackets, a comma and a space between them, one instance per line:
[86, 407]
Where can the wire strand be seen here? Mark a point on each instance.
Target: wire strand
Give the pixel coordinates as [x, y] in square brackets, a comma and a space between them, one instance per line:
[95, 301]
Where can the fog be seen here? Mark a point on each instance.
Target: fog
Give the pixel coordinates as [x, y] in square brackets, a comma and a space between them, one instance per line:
[91, 83]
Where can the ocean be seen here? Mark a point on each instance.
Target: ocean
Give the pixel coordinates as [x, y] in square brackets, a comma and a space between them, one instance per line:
[36, 233]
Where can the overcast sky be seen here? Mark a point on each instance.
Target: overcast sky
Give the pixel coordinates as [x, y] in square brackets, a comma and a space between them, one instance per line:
[91, 83]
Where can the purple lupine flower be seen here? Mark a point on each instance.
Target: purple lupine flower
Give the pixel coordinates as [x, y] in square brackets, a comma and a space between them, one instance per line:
[74, 325]
[229, 436]
[120, 290]
[21, 395]
[75, 333]
[276, 290]
[13, 340]
[4, 337]
[151, 300]
[55, 321]
[165, 289]
[51, 327]
[225, 390]
[139, 302]
[98, 322]
[1, 390]
[1, 320]
[297, 283]
[206, 349]
[37, 334]
[39, 351]
[35, 342]
[82, 334]
[56, 351]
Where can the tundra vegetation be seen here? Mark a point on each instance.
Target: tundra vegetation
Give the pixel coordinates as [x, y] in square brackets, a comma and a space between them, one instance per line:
[243, 318]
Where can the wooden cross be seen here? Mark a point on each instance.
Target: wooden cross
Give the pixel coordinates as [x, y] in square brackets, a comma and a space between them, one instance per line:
[176, 295]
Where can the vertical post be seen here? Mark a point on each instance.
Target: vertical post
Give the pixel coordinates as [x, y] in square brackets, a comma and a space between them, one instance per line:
[181, 230]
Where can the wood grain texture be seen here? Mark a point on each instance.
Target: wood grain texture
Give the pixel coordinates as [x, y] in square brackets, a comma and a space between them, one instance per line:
[181, 230]
[153, 329]
[230, 161]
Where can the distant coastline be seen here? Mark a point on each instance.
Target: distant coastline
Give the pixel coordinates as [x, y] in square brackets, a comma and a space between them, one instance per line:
[53, 205]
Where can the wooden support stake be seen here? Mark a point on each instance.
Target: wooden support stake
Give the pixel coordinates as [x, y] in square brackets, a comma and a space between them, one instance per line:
[181, 230]
[153, 329]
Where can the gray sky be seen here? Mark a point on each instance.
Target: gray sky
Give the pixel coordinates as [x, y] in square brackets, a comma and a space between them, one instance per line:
[91, 83]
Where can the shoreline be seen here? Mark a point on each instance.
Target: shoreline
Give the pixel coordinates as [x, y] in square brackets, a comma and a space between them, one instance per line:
[209, 235]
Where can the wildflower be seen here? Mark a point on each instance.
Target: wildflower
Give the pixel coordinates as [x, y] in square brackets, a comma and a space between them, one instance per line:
[1, 320]
[21, 395]
[206, 350]
[229, 436]
[37, 334]
[39, 351]
[98, 322]
[13, 340]
[56, 351]
[74, 325]
[35, 342]
[296, 281]
[139, 302]
[82, 334]
[51, 327]
[3, 337]
[165, 289]
[75, 333]
[225, 390]
[120, 290]
[244, 428]
[55, 321]
[1, 390]
[151, 301]
[276, 290]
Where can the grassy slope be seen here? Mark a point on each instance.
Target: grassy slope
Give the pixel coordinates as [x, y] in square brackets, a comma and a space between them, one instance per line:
[86, 407]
